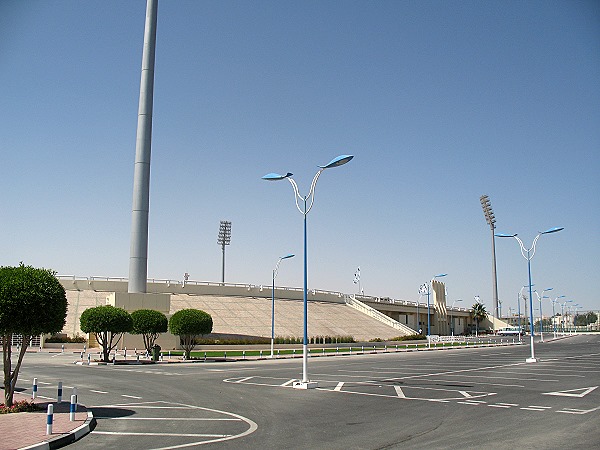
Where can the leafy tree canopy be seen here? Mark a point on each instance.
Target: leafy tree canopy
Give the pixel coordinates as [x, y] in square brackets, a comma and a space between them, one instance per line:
[32, 301]
[105, 318]
[190, 322]
[148, 321]
[108, 325]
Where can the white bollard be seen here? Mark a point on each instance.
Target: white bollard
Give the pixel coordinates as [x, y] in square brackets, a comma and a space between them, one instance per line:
[59, 395]
[89, 358]
[49, 418]
[62, 348]
[74, 394]
[34, 388]
[73, 408]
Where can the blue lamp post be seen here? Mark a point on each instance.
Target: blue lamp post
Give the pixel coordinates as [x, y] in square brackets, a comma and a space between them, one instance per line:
[554, 314]
[528, 255]
[427, 287]
[304, 206]
[540, 297]
[273, 300]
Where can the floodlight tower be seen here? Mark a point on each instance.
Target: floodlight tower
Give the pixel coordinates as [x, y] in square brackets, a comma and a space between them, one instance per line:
[138, 256]
[224, 239]
[488, 212]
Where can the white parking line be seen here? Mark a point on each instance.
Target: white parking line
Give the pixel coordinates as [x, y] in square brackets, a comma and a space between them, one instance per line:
[130, 433]
[205, 419]
[339, 386]
[500, 406]
[131, 396]
[98, 392]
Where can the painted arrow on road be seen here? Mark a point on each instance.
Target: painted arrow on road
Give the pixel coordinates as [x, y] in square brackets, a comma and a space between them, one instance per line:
[581, 392]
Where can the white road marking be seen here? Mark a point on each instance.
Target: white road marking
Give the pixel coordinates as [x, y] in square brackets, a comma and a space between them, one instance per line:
[244, 379]
[500, 406]
[129, 433]
[205, 419]
[571, 392]
[399, 392]
[98, 392]
[131, 396]
[287, 383]
[339, 386]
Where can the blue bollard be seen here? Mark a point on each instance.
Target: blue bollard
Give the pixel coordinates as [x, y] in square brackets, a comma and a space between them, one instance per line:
[73, 408]
[34, 389]
[59, 396]
[49, 419]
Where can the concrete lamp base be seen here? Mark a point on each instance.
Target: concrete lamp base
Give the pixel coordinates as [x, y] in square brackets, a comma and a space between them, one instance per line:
[305, 385]
[532, 360]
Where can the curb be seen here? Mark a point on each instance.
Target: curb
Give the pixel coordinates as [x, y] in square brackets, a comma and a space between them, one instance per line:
[74, 435]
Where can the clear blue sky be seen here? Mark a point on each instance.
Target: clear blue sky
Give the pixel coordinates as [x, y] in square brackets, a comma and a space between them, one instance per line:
[440, 102]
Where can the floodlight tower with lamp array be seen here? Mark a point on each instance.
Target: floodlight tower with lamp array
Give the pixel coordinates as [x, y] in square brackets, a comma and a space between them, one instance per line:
[490, 218]
[224, 239]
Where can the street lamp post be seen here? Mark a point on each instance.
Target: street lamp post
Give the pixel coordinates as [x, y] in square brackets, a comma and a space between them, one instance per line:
[273, 300]
[451, 318]
[304, 206]
[562, 315]
[528, 254]
[428, 287]
[540, 297]
[554, 314]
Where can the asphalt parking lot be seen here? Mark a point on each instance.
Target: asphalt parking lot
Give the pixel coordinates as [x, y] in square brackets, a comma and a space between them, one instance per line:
[431, 399]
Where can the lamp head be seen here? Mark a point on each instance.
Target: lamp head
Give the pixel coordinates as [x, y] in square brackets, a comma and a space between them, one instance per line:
[337, 161]
[552, 230]
[439, 275]
[291, 255]
[276, 176]
[505, 235]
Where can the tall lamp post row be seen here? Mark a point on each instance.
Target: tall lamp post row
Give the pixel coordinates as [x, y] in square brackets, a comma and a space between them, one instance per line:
[528, 254]
[304, 205]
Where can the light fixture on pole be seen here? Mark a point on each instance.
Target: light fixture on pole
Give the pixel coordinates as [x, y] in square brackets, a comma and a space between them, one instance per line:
[488, 212]
[426, 287]
[304, 206]
[273, 299]
[528, 254]
[451, 318]
[224, 239]
[554, 314]
[541, 315]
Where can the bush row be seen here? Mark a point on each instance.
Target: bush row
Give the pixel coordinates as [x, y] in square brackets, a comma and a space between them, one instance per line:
[64, 339]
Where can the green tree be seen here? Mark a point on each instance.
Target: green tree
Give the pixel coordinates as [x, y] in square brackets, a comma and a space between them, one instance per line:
[32, 302]
[108, 325]
[190, 324]
[150, 324]
[585, 319]
[478, 313]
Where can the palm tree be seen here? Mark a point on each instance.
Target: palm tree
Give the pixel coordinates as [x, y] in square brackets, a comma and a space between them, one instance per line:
[478, 313]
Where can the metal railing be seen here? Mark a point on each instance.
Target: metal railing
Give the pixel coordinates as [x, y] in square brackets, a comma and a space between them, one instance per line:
[372, 312]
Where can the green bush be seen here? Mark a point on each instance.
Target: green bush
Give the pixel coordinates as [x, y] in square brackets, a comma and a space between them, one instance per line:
[189, 324]
[62, 339]
[412, 337]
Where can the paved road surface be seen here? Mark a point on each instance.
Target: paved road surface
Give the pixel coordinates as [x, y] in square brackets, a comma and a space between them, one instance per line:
[470, 398]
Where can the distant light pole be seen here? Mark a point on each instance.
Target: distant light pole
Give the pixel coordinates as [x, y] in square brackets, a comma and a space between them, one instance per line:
[273, 300]
[304, 206]
[488, 212]
[562, 315]
[540, 297]
[528, 254]
[554, 314]
[224, 239]
[451, 318]
[427, 286]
